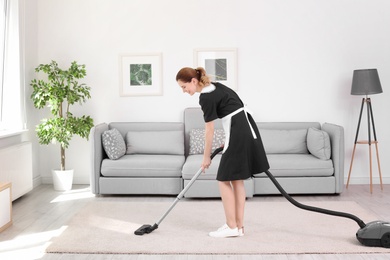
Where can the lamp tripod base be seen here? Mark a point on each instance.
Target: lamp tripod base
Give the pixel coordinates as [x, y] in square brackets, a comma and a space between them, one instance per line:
[370, 119]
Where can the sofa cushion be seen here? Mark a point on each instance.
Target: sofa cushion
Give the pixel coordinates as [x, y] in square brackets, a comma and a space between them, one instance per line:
[197, 140]
[290, 141]
[298, 165]
[318, 143]
[193, 164]
[113, 144]
[155, 142]
[144, 165]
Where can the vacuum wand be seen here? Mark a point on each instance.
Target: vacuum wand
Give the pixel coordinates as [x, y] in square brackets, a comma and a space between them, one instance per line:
[146, 229]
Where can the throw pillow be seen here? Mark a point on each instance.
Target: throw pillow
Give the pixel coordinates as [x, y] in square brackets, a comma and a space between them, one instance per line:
[277, 141]
[155, 142]
[113, 144]
[197, 140]
[318, 143]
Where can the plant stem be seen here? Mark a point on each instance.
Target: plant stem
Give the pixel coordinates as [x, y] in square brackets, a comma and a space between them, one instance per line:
[62, 158]
[62, 148]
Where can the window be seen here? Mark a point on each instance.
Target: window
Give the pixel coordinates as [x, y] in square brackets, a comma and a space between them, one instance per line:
[3, 19]
[12, 96]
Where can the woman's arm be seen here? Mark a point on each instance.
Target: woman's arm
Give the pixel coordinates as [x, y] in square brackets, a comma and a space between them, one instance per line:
[209, 134]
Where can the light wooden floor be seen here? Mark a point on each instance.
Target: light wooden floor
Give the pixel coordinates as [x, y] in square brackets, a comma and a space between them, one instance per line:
[40, 215]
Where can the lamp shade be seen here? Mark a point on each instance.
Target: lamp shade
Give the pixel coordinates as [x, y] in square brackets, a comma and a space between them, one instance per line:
[366, 82]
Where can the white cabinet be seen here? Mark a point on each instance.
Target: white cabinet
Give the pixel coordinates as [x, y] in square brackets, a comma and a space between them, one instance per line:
[5, 205]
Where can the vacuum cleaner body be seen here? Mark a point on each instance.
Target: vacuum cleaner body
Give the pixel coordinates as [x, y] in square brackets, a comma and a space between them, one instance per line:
[375, 233]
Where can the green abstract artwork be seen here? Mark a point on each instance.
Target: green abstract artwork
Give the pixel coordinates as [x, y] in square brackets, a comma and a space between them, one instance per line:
[140, 74]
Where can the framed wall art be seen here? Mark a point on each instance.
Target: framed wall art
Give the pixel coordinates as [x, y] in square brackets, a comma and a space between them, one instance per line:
[140, 74]
[220, 65]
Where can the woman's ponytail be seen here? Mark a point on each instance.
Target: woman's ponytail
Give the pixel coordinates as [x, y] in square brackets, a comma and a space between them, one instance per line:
[187, 74]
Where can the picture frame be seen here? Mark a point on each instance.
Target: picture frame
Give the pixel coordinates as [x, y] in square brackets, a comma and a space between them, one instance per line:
[140, 74]
[220, 65]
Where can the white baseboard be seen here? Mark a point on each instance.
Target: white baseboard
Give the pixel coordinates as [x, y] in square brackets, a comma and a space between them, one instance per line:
[49, 180]
[366, 180]
[37, 181]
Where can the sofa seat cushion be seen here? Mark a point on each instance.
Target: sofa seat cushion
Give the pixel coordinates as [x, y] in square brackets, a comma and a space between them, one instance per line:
[298, 165]
[282, 165]
[141, 165]
[192, 166]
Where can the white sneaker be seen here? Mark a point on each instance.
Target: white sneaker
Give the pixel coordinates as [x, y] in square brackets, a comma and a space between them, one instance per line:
[225, 231]
[241, 232]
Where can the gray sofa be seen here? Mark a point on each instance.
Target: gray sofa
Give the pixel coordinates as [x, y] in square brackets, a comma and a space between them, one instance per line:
[163, 157]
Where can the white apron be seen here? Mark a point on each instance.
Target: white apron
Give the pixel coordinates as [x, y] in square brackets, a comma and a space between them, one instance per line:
[226, 120]
[226, 124]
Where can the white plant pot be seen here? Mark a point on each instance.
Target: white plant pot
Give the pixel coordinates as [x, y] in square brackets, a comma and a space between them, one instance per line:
[62, 180]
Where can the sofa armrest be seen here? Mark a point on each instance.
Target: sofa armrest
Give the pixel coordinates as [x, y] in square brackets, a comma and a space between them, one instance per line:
[97, 154]
[336, 135]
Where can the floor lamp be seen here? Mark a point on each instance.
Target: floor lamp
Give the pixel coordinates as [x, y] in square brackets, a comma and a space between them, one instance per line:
[366, 82]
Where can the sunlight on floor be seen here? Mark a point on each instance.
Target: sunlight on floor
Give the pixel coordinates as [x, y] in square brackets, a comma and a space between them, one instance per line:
[75, 194]
[30, 246]
[112, 224]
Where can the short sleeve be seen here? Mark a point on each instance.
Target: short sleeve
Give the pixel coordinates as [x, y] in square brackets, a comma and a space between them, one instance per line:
[209, 107]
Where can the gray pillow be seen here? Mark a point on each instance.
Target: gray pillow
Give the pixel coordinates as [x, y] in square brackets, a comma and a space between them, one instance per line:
[197, 140]
[318, 143]
[113, 144]
[284, 141]
[155, 142]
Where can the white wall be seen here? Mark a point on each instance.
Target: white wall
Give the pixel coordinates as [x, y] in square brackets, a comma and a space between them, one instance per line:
[295, 61]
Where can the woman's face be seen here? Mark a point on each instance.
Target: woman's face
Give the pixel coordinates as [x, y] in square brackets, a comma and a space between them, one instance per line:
[189, 87]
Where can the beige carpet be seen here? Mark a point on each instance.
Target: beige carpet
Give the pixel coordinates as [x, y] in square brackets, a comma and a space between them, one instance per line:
[271, 228]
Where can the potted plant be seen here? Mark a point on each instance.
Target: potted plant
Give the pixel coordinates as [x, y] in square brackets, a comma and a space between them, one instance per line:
[59, 92]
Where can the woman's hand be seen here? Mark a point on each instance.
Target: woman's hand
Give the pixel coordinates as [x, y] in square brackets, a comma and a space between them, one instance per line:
[206, 163]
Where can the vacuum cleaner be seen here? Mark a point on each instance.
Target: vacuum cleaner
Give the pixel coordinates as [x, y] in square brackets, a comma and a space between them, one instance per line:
[375, 233]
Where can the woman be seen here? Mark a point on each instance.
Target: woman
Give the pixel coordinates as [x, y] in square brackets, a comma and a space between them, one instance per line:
[243, 154]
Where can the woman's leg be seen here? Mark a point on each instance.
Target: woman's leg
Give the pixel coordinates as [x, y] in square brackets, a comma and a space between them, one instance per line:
[228, 200]
[239, 197]
[233, 200]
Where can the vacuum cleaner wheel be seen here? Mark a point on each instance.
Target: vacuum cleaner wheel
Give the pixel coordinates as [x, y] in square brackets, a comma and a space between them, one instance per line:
[385, 240]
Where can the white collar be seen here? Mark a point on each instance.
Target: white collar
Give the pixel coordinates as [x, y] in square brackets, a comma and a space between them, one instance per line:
[208, 89]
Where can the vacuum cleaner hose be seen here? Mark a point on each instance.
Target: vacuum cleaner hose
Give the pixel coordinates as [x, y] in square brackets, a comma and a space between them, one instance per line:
[310, 208]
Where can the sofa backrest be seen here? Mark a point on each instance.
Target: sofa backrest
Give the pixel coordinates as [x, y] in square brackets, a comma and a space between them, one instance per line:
[274, 141]
[152, 137]
[193, 119]
[285, 137]
[287, 125]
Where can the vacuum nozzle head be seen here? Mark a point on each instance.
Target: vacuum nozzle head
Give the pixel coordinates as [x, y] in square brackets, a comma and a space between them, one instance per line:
[145, 229]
